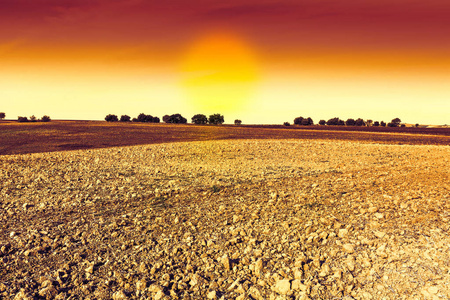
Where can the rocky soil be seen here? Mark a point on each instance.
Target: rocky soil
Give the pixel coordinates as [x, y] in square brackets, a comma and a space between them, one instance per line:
[245, 219]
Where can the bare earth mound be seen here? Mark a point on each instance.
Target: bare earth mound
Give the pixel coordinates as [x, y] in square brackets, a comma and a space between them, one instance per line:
[260, 219]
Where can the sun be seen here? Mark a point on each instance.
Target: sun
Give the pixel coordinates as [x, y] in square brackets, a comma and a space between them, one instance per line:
[219, 72]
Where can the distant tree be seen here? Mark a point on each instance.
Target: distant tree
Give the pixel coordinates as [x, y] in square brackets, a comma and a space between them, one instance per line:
[322, 122]
[237, 122]
[403, 125]
[33, 118]
[286, 124]
[134, 120]
[125, 118]
[45, 119]
[360, 122]
[307, 122]
[396, 121]
[298, 121]
[175, 118]
[216, 119]
[2, 115]
[142, 118]
[335, 121]
[22, 119]
[417, 124]
[369, 122]
[376, 123]
[199, 119]
[383, 124]
[111, 118]
[350, 122]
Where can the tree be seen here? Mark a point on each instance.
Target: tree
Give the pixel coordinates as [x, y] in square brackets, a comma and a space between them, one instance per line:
[350, 122]
[307, 122]
[335, 121]
[125, 118]
[33, 118]
[376, 123]
[395, 122]
[175, 118]
[383, 124]
[216, 119]
[286, 124]
[322, 122]
[369, 122]
[142, 117]
[45, 119]
[111, 118]
[199, 119]
[2, 115]
[360, 122]
[298, 121]
[237, 122]
[22, 119]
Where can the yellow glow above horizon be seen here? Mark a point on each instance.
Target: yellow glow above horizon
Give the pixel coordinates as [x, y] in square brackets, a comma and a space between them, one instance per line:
[219, 72]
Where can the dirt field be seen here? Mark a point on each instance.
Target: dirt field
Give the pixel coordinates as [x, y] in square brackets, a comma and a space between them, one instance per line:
[20, 138]
[234, 219]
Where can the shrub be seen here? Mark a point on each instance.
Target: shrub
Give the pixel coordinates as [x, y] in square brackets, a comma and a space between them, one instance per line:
[175, 118]
[216, 119]
[199, 119]
[237, 122]
[403, 125]
[22, 119]
[45, 119]
[111, 118]
[134, 120]
[125, 118]
[417, 125]
[322, 122]
[2, 115]
[376, 123]
[286, 124]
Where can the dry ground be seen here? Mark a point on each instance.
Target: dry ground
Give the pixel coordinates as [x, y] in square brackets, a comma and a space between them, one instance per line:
[21, 138]
[242, 219]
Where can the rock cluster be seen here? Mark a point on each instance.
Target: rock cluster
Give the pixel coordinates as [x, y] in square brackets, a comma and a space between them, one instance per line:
[251, 219]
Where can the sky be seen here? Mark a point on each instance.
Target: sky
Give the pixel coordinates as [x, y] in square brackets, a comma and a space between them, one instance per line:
[263, 62]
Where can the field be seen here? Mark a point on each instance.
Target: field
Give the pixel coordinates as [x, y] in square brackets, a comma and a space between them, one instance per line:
[21, 138]
[225, 212]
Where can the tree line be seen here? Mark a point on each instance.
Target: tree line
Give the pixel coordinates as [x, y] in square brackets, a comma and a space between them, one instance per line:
[349, 122]
[173, 119]
[25, 119]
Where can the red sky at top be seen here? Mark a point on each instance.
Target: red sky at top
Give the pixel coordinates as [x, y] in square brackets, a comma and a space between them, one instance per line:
[402, 36]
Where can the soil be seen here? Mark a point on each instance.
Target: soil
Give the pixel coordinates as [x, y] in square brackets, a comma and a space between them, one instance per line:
[234, 219]
[21, 138]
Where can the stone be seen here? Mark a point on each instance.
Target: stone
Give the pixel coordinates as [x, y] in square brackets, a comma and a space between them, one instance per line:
[282, 287]
[211, 295]
[258, 267]
[349, 248]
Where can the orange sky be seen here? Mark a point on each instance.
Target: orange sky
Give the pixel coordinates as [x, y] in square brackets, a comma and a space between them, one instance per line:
[278, 59]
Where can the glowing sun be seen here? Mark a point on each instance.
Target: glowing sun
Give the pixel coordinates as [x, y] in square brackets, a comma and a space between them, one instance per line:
[219, 72]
